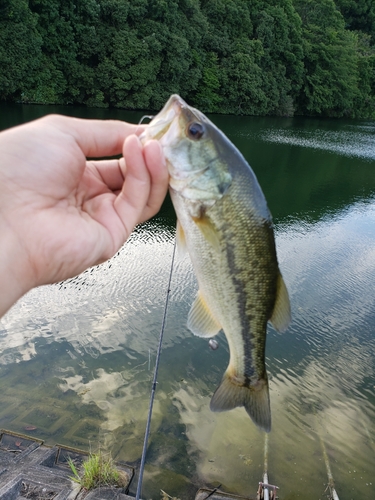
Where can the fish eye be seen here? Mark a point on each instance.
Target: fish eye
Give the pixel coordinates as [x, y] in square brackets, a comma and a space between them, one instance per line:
[195, 130]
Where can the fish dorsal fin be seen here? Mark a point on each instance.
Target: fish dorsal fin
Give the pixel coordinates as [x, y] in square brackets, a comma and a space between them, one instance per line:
[281, 315]
[208, 230]
[200, 320]
[180, 238]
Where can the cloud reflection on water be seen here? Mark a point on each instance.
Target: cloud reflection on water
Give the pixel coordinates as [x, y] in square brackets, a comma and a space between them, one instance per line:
[123, 406]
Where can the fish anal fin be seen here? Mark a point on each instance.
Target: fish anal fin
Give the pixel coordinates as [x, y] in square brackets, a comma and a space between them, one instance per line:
[255, 399]
[180, 239]
[200, 319]
[281, 315]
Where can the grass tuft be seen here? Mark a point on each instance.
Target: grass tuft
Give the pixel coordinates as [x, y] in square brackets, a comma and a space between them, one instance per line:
[98, 470]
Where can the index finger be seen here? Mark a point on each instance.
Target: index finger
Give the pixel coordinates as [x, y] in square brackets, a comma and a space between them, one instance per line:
[97, 138]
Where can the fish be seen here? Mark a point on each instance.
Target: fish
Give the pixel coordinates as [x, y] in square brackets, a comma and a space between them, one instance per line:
[224, 224]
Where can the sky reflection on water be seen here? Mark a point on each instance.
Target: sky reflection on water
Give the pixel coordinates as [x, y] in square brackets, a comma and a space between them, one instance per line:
[76, 358]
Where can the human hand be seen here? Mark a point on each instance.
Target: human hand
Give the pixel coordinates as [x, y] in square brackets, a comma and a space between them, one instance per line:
[59, 213]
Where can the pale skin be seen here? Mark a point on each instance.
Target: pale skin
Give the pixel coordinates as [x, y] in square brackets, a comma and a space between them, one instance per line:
[61, 213]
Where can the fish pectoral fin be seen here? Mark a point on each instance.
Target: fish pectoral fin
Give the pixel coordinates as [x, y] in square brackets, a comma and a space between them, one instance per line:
[281, 315]
[180, 239]
[255, 399]
[200, 320]
[208, 230]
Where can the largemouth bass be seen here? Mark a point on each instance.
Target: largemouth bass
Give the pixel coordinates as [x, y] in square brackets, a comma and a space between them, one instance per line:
[224, 223]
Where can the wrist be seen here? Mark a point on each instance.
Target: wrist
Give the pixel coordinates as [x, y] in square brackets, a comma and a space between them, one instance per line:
[14, 275]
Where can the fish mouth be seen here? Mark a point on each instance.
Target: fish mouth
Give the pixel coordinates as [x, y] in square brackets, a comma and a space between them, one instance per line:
[175, 111]
[161, 123]
[176, 103]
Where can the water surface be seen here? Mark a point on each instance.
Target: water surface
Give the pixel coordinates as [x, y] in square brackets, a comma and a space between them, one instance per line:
[76, 358]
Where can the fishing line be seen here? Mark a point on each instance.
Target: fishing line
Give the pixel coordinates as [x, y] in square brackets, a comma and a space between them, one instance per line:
[266, 491]
[154, 382]
[145, 117]
[331, 483]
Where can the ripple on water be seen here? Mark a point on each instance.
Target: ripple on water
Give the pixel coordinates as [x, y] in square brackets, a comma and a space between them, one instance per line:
[352, 143]
[119, 302]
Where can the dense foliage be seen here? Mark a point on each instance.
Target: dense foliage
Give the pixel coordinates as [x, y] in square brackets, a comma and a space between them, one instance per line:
[314, 57]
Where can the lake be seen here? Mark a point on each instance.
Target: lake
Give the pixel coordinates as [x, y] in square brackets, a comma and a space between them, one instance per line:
[77, 358]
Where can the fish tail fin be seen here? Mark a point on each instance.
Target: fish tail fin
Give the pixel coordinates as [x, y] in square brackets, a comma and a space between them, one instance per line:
[255, 399]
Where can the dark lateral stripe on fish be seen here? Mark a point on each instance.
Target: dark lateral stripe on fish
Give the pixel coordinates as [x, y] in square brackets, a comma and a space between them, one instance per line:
[247, 334]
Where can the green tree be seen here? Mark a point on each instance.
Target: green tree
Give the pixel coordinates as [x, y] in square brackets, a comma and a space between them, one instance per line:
[330, 57]
[359, 15]
[149, 54]
[228, 59]
[20, 49]
[279, 29]
[58, 47]
[364, 104]
[242, 82]
[256, 47]
[208, 90]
